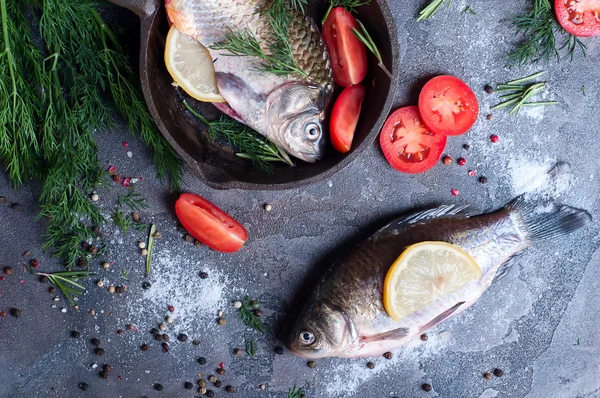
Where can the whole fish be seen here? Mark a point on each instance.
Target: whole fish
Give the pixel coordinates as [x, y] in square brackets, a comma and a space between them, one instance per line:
[345, 316]
[288, 110]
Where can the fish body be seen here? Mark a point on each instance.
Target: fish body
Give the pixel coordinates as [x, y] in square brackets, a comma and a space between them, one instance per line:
[288, 109]
[345, 316]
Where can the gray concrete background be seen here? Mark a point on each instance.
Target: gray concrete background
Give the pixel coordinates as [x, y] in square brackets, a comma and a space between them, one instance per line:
[539, 324]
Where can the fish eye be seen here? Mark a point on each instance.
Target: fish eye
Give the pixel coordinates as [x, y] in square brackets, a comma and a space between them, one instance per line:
[307, 337]
[312, 131]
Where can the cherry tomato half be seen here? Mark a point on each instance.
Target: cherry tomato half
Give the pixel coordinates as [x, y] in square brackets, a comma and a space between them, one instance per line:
[348, 54]
[448, 106]
[579, 17]
[407, 144]
[344, 117]
[209, 224]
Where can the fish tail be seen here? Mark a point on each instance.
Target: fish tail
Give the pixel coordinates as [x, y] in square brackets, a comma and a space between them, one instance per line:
[564, 221]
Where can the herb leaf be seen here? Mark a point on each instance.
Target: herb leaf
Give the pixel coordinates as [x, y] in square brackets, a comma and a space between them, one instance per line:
[349, 5]
[66, 281]
[519, 93]
[295, 392]
[364, 36]
[431, 9]
[250, 344]
[150, 246]
[249, 317]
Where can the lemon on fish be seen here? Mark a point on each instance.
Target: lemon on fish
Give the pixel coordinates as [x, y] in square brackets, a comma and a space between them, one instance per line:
[191, 66]
[425, 272]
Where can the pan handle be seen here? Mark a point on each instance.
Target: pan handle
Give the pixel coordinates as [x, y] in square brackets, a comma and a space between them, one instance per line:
[142, 8]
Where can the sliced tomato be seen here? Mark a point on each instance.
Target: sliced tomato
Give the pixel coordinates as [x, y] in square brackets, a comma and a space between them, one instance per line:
[209, 224]
[448, 106]
[348, 54]
[344, 117]
[407, 144]
[579, 17]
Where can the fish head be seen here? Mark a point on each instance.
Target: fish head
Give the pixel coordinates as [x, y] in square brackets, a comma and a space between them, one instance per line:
[295, 112]
[321, 331]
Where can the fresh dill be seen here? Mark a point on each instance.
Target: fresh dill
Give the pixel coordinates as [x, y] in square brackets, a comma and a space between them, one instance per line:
[150, 248]
[248, 316]
[544, 38]
[519, 93]
[250, 145]
[583, 90]
[134, 200]
[364, 36]
[250, 344]
[66, 281]
[122, 220]
[124, 274]
[469, 10]
[431, 9]
[349, 5]
[295, 392]
[578, 342]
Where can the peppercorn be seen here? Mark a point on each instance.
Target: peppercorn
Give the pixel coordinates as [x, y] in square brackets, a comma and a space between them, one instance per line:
[107, 368]
[99, 351]
[203, 275]
[136, 217]
[218, 383]
[120, 332]
[8, 270]
[447, 160]
[51, 290]
[498, 372]
[34, 263]
[188, 238]
[96, 230]
[487, 376]
[455, 192]
[370, 365]
[262, 387]
[221, 371]
[154, 332]
[494, 138]
[75, 334]
[15, 312]
[212, 378]
[210, 393]
[258, 313]
[83, 386]
[92, 312]
[144, 252]
[120, 289]
[104, 374]
[95, 342]
[165, 346]
[202, 383]
[130, 327]
[483, 180]
[488, 89]
[230, 389]
[43, 279]
[279, 350]
[461, 161]
[157, 235]
[158, 387]
[93, 249]
[166, 337]
[202, 390]
[182, 337]
[426, 387]
[2, 314]
[197, 243]
[237, 304]
[111, 289]
[312, 364]
[16, 207]
[490, 117]
[145, 347]
[196, 342]
[3, 199]
[237, 351]
[222, 321]
[187, 385]
[387, 355]
[82, 262]
[424, 337]
[202, 361]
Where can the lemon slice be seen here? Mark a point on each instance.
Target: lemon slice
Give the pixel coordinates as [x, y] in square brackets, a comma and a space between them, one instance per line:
[191, 66]
[425, 272]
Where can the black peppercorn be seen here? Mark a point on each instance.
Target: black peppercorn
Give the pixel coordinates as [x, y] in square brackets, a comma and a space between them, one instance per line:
[388, 355]
[230, 389]
[75, 334]
[221, 371]
[188, 238]
[370, 365]
[312, 364]
[16, 207]
[158, 387]
[8, 270]
[426, 387]
[488, 89]
[210, 393]
[182, 337]
[99, 351]
[3, 199]
[203, 275]
[278, 350]
[483, 180]
[95, 342]
[146, 285]
[15, 312]
[144, 347]
[498, 372]
[83, 386]
[165, 347]
[196, 342]
[43, 279]
[165, 337]
[424, 337]
[466, 147]
[51, 290]
[104, 374]
[187, 385]
[487, 376]
[202, 361]
[120, 331]
[218, 383]
[120, 289]
[107, 368]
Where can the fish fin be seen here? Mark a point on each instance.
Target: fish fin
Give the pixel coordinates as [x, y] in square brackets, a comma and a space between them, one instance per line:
[446, 211]
[565, 220]
[441, 317]
[396, 334]
[242, 99]
[504, 269]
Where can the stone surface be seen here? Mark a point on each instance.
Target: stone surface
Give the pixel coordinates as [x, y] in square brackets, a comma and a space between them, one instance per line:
[538, 324]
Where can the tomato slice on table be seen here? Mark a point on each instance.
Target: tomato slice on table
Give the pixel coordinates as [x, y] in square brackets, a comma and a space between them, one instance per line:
[407, 144]
[448, 106]
[579, 17]
[209, 224]
[348, 54]
[344, 117]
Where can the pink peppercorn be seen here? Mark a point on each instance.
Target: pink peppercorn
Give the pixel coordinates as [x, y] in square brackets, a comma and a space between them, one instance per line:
[494, 138]
[455, 192]
[461, 161]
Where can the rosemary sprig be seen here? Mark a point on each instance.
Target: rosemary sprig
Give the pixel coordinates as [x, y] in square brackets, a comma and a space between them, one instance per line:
[431, 9]
[249, 144]
[66, 281]
[364, 36]
[295, 392]
[250, 344]
[122, 220]
[124, 274]
[249, 317]
[541, 30]
[519, 93]
[349, 5]
[150, 247]
[134, 200]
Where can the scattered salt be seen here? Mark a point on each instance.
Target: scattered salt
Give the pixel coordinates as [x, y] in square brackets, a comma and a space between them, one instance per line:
[129, 154]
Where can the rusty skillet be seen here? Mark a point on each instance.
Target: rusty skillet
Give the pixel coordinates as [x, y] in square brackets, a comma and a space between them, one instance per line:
[216, 165]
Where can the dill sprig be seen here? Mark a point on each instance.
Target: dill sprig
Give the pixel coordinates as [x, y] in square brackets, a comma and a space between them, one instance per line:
[250, 145]
[519, 93]
[150, 247]
[469, 10]
[295, 392]
[364, 36]
[250, 344]
[431, 9]
[249, 317]
[541, 30]
[122, 220]
[349, 5]
[134, 200]
[66, 281]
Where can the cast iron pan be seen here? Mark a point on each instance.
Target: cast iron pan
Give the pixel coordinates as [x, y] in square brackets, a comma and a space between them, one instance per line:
[217, 164]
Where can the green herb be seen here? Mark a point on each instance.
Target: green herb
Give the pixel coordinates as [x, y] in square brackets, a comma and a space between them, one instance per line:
[66, 281]
[124, 274]
[249, 317]
[431, 9]
[349, 5]
[122, 220]
[365, 37]
[468, 9]
[578, 342]
[519, 93]
[540, 29]
[250, 145]
[134, 200]
[250, 346]
[150, 246]
[295, 392]
[583, 89]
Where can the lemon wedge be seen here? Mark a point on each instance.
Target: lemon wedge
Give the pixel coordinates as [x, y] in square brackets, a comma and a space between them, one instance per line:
[425, 272]
[191, 66]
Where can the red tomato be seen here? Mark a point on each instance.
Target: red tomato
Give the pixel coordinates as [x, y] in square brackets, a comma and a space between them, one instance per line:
[579, 17]
[407, 144]
[209, 224]
[344, 117]
[348, 54]
[448, 106]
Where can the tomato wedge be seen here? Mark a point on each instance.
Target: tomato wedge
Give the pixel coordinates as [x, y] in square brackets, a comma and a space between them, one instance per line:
[348, 54]
[344, 117]
[407, 144]
[579, 17]
[448, 106]
[209, 224]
